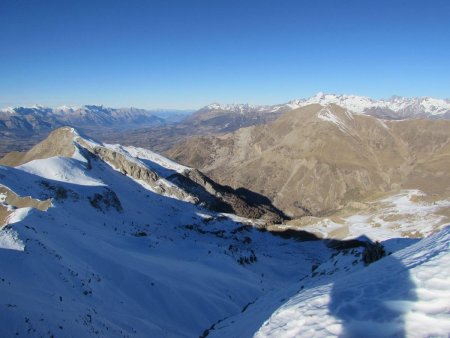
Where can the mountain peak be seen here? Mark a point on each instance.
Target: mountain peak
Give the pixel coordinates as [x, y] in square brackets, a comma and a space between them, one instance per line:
[319, 95]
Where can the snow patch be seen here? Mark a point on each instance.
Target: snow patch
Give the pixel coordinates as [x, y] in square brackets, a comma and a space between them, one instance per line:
[18, 215]
[402, 215]
[9, 239]
[326, 115]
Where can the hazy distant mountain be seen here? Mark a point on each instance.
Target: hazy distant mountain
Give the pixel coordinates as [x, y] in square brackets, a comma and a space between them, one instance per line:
[20, 127]
[39, 117]
[224, 118]
[210, 120]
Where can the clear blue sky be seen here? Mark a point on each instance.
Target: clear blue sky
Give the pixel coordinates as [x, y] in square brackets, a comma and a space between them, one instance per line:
[185, 54]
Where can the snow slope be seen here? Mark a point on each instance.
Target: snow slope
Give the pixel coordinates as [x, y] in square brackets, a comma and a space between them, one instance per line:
[406, 294]
[114, 258]
[61, 169]
[147, 265]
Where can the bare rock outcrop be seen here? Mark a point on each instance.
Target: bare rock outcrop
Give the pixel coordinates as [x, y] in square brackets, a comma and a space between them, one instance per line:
[226, 199]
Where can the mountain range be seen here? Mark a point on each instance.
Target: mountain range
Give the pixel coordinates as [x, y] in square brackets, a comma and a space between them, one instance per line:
[394, 108]
[217, 118]
[40, 117]
[21, 127]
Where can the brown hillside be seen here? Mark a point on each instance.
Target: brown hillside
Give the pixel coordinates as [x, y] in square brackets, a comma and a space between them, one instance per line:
[58, 143]
[316, 159]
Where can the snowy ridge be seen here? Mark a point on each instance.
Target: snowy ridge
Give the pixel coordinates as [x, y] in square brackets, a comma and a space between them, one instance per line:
[8, 110]
[39, 109]
[361, 104]
[401, 106]
[66, 109]
[242, 108]
[355, 103]
[158, 164]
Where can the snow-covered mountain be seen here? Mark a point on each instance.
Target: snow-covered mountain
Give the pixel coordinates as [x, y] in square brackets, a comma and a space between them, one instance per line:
[217, 118]
[243, 108]
[100, 240]
[396, 107]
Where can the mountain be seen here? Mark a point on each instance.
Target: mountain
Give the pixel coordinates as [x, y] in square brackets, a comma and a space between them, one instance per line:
[395, 108]
[315, 160]
[158, 173]
[224, 118]
[39, 117]
[21, 127]
[23, 119]
[210, 120]
[100, 240]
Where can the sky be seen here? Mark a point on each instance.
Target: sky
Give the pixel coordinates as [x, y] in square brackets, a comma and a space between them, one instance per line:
[188, 53]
